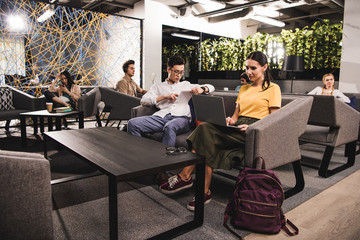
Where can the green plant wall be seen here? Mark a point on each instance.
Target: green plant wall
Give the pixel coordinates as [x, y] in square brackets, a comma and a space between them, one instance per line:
[320, 45]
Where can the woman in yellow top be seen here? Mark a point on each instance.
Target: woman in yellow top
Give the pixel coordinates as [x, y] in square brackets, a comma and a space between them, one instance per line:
[224, 147]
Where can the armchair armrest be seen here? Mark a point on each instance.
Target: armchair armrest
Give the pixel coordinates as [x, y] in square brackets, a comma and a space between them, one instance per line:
[121, 104]
[26, 208]
[142, 110]
[88, 103]
[348, 119]
[22, 100]
[275, 137]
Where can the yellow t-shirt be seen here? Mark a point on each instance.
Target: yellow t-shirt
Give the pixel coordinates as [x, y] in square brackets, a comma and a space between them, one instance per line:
[255, 102]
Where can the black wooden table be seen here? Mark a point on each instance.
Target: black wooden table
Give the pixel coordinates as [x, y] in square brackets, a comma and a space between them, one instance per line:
[45, 114]
[123, 157]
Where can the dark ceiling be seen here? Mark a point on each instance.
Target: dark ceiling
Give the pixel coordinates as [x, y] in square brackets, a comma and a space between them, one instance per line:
[104, 6]
[294, 13]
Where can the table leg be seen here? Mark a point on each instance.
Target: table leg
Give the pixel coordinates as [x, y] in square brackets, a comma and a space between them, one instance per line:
[199, 209]
[58, 123]
[41, 124]
[23, 130]
[113, 208]
[35, 121]
[199, 194]
[45, 146]
[81, 120]
[50, 124]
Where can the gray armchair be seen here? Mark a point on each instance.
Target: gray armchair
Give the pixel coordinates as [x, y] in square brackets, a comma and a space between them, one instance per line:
[276, 138]
[332, 123]
[22, 102]
[25, 196]
[88, 104]
[120, 104]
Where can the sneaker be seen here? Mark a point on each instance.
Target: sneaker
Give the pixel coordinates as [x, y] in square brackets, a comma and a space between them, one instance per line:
[175, 184]
[161, 178]
[207, 199]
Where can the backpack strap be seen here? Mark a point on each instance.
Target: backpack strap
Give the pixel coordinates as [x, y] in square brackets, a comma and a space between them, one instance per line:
[286, 229]
[226, 217]
[257, 161]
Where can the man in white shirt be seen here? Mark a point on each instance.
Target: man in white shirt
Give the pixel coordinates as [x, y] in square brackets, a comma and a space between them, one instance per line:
[173, 117]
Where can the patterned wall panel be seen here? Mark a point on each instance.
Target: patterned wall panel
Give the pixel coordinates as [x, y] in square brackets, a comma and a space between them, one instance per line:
[91, 46]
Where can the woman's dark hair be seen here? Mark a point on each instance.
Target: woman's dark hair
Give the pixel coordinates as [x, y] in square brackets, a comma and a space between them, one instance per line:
[69, 78]
[175, 60]
[262, 60]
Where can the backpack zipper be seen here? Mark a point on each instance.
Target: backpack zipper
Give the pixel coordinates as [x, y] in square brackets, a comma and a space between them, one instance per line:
[256, 214]
[261, 203]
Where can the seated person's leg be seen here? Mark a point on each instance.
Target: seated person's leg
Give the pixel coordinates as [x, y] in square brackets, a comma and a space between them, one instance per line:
[139, 125]
[51, 97]
[68, 101]
[63, 101]
[176, 126]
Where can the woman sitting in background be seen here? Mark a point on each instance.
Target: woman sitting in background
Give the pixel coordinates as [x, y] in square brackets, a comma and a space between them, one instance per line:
[329, 88]
[67, 93]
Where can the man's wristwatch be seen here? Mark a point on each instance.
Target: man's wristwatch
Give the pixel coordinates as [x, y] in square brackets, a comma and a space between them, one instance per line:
[203, 88]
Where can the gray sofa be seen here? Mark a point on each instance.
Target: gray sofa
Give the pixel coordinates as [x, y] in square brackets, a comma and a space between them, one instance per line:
[25, 196]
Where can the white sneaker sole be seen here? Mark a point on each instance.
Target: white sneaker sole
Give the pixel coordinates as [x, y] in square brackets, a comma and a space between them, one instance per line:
[177, 190]
[192, 208]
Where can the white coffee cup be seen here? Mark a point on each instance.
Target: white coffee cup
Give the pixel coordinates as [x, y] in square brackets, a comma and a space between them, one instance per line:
[49, 106]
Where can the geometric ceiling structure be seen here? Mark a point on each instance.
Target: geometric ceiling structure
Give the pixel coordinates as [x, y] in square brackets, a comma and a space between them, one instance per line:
[294, 13]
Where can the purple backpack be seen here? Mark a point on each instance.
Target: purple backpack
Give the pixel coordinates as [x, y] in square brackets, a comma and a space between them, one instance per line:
[256, 203]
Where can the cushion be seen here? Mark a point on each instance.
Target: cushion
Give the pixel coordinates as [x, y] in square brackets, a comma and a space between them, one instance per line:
[6, 98]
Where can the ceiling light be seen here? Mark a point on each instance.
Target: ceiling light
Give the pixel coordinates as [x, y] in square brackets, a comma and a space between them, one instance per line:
[181, 35]
[267, 20]
[226, 13]
[211, 5]
[47, 14]
[16, 23]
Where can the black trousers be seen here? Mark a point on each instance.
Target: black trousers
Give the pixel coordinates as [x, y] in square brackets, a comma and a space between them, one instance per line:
[50, 95]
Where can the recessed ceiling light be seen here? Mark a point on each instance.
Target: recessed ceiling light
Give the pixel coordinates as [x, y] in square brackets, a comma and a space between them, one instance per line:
[181, 35]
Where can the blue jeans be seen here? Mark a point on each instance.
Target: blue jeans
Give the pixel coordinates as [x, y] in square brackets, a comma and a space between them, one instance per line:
[169, 125]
